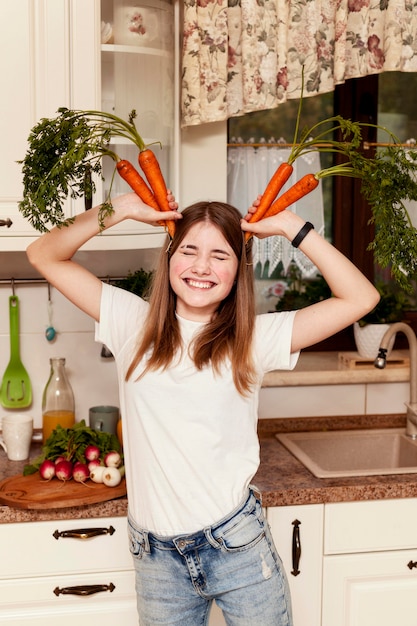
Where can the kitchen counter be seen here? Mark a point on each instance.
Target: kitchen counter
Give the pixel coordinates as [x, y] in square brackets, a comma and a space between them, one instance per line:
[329, 368]
[281, 478]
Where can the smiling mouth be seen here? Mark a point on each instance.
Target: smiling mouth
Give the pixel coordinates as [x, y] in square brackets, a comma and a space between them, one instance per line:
[199, 284]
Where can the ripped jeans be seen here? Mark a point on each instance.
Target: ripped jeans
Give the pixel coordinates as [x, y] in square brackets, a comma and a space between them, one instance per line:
[233, 563]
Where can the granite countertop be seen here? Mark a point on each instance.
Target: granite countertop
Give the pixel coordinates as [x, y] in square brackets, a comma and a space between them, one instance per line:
[336, 368]
[281, 478]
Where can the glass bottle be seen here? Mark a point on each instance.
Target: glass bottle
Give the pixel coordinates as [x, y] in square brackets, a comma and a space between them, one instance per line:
[57, 400]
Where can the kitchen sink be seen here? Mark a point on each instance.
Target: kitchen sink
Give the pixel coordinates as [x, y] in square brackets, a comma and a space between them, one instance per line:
[353, 452]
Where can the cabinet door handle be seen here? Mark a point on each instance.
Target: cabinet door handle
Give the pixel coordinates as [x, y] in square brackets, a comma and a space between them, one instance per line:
[83, 590]
[7, 222]
[412, 564]
[83, 533]
[296, 548]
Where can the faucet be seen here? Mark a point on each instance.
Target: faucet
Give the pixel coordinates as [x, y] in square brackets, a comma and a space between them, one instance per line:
[381, 360]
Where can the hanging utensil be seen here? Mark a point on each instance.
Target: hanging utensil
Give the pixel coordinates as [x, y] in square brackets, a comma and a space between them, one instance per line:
[50, 332]
[16, 388]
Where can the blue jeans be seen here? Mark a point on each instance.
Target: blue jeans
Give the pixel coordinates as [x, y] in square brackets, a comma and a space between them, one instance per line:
[234, 563]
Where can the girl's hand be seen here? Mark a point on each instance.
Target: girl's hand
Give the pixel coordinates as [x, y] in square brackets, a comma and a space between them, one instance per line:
[285, 224]
[252, 208]
[132, 207]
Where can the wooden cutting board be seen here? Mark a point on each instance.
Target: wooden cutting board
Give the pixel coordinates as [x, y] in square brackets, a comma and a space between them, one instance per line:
[32, 492]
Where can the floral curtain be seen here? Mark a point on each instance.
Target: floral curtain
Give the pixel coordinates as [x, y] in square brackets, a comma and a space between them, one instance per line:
[247, 55]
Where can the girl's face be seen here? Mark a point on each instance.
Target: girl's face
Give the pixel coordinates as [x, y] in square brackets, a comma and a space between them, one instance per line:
[202, 271]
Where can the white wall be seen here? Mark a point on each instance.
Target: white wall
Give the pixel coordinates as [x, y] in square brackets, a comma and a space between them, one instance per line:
[92, 378]
[203, 163]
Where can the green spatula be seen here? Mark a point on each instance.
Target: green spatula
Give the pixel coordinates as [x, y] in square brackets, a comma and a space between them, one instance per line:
[16, 388]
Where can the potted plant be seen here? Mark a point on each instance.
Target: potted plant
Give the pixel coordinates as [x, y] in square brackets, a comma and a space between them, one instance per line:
[296, 292]
[369, 330]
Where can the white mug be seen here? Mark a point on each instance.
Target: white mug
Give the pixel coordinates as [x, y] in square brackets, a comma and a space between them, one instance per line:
[16, 436]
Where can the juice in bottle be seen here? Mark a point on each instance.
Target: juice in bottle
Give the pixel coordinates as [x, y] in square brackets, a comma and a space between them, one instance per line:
[58, 400]
[52, 419]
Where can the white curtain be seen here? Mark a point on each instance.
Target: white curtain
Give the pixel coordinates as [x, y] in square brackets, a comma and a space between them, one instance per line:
[248, 171]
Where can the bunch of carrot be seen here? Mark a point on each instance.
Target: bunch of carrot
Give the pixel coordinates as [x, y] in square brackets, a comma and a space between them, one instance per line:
[103, 126]
[156, 195]
[269, 205]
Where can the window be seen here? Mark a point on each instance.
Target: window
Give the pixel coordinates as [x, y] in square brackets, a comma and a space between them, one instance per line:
[387, 99]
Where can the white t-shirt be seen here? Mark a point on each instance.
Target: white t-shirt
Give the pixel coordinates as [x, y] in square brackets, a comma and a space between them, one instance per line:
[189, 438]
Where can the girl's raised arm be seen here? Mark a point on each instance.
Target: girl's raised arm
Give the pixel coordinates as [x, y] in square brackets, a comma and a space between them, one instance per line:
[52, 253]
[353, 294]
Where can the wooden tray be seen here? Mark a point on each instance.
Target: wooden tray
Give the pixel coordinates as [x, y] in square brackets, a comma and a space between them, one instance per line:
[31, 492]
[352, 360]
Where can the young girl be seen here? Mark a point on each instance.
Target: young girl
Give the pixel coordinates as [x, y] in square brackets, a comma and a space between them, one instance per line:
[190, 365]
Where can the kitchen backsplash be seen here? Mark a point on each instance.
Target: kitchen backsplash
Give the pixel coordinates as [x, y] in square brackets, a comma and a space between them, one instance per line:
[92, 377]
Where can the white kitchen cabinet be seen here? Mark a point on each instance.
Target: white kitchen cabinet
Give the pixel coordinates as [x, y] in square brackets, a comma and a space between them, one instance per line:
[45, 577]
[370, 561]
[34, 68]
[298, 536]
[52, 56]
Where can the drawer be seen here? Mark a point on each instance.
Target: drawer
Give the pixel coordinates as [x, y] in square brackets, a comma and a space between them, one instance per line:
[370, 526]
[371, 589]
[32, 549]
[32, 602]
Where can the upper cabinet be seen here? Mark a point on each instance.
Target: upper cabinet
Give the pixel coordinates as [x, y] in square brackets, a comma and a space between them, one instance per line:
[110, 55]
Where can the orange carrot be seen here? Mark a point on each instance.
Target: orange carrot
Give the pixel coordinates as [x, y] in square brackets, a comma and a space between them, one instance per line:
[278, 180]
[301, 188]
[151, 169]
[136, 182]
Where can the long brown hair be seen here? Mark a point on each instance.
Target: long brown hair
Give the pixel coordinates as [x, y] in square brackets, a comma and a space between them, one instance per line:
[229, 334]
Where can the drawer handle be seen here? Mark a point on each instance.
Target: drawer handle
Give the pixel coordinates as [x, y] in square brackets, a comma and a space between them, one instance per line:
[7, 222]
[412, 564]
[296, 548]
[83, 590]
[83, 533]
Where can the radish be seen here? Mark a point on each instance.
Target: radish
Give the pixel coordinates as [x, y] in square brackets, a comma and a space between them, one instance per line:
[59, 459]
[47, 469]
[112, 459]
[97, 474]
[111, 476]
[93, 464]
[63, 470]
[92, 452]
[80, 473]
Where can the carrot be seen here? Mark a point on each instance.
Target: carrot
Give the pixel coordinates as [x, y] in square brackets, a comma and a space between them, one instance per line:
[276, 183]
[151, 169]
[136, 182]
[301, 188]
